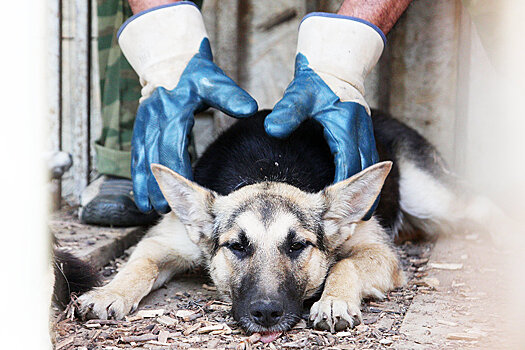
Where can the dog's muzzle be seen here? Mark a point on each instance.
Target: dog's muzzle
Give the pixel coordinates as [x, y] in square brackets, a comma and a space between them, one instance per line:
[266, 313]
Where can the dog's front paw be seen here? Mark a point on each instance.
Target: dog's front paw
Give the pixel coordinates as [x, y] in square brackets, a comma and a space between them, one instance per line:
[104, 303]
[334, 315]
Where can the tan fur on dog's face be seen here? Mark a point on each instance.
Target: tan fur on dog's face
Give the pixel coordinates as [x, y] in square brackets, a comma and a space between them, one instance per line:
[282, 257]
[281, 225]
[270, 243]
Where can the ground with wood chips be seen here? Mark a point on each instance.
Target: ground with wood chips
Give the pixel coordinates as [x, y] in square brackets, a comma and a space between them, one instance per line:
[443, 305]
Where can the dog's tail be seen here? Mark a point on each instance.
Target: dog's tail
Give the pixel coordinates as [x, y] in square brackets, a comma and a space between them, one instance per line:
[72, 276]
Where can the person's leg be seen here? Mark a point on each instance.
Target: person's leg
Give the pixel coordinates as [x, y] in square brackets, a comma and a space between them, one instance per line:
[120, 92]
[109, 199]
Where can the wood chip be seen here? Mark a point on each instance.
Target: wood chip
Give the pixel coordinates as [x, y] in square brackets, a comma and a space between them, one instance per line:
[219, 307]
[431, 282]
[92, 325]
[227, 329]
[446, 266]
[298, 344]
[158, 343]
[186, 315]
[163, 336]
[138, 338]
[447, 323]
[343, 334]
[419, 262]
[191, 329]
[462, 336]
[212, 344]
[207, 287]
[300, 325]
[104, 322]
[476, 331]
[166, 320]
[362, 328]
[209, 329]
[64, 343]
[150, 313]
[254, 338]
[134, 318]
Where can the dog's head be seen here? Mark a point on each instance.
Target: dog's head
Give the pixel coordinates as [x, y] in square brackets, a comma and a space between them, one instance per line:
[270, 245]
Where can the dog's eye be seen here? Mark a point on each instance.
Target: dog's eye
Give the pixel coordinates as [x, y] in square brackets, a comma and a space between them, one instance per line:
[297, 247]
[237, 247]
[240, 250]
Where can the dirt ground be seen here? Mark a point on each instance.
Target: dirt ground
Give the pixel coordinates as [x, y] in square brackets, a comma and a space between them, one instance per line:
[455, 298]
[188, 313]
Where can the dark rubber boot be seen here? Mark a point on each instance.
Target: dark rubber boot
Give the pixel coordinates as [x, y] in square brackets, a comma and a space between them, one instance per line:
[108, 201]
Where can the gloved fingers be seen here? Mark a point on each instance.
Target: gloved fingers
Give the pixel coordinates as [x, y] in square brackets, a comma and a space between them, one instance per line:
[346, 162]
[340, 132]
[151, 137]
[139, 170]
[368, 150]
[367, 144]
[289, 112]
[156, 197]
[174, 140]
[221, 92]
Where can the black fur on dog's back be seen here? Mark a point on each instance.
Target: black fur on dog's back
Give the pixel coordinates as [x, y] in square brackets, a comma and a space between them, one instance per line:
[244, 154]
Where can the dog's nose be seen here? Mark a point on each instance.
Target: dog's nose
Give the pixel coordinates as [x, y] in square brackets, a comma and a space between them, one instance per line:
[266, 313]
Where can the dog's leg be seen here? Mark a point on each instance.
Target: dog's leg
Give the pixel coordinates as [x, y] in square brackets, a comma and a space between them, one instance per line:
[164, 251]
[371, 270]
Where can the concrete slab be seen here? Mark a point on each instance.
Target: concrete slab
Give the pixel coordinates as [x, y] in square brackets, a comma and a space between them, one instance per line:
[467, 308]
[94, 244]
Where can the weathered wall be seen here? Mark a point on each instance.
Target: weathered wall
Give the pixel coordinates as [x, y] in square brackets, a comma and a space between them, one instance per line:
[423, 56]
[415, 79]
[255, 42]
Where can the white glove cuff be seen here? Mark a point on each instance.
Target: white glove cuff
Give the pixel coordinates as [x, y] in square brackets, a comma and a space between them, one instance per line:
[159, 43]
[341, 50]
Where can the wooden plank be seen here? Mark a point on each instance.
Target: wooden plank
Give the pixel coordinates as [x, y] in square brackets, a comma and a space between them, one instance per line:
[424, 45]
[53, 83]
[53, 91]
[271, 53]
[75, 95]
[67, 62]
[462, 105]
[226, 45]
[93, 244]
[81, 96]
[95, 117]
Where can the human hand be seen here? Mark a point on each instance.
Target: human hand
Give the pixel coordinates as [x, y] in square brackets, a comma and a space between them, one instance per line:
[334, 55]
[179, 79]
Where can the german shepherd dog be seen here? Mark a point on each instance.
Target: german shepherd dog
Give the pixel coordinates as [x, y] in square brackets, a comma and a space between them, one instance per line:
[273, 231]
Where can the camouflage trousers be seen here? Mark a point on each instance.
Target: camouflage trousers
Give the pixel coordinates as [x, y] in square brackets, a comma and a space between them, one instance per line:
[119, 91]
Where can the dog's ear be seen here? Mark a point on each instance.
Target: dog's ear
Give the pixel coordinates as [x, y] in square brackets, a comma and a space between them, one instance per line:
[348, 201]
[191, 203]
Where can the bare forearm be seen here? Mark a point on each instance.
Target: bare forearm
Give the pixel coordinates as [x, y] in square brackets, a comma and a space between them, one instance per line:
[142, 5]
[382, 13]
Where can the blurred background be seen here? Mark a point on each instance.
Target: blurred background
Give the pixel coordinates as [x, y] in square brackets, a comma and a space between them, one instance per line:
[452, 69]
[445, 72]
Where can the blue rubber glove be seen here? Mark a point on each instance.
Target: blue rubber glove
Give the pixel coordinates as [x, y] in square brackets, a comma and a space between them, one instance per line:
[335, 53]
[347, 125]
[164, 122]
[165, 118]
